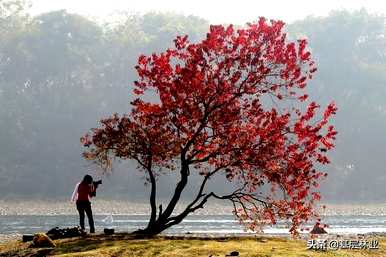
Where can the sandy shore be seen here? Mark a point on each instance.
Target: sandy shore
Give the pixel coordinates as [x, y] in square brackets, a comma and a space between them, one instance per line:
[11, 237]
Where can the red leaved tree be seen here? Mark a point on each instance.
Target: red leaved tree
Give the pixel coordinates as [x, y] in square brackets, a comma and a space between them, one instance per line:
[230, 105]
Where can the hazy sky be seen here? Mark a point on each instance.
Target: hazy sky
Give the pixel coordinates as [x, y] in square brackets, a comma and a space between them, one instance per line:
[238, 12]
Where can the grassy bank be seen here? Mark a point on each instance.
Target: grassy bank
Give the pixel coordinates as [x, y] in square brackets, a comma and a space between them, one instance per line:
[124, 245]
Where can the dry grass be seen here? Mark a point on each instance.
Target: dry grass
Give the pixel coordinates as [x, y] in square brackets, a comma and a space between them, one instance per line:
[125, 245]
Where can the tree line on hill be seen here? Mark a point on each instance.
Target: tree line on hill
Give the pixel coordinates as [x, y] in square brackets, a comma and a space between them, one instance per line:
[61, 72]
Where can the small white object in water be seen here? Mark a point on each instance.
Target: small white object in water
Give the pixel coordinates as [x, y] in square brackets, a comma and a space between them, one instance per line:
[108, 220]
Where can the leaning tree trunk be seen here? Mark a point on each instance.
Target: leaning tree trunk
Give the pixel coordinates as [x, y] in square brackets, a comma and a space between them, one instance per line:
[165, 220]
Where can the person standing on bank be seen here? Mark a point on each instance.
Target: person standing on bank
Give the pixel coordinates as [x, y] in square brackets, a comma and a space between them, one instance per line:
[82, 194]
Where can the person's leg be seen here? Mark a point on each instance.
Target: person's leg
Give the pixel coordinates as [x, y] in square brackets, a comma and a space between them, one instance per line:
[90, 218]
[80, 208]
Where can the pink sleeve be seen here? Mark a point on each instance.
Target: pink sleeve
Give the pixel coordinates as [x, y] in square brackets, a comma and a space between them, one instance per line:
[74, 196]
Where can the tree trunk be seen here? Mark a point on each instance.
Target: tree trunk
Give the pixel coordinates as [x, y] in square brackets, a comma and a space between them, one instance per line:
[157, 225]
[152, 229]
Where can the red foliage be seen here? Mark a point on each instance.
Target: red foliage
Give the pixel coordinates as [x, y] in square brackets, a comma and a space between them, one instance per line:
[218, 111]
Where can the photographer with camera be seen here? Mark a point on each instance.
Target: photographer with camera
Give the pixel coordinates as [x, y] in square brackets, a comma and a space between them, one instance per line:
[82, 194]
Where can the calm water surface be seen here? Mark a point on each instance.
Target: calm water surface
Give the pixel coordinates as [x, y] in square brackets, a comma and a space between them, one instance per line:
[214, 224]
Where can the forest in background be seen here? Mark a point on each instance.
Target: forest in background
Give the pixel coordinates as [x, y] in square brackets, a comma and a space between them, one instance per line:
[61, 72]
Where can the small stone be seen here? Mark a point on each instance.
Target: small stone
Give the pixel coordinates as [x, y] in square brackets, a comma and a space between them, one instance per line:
[27, 238]
[234, 253]
[108, 231]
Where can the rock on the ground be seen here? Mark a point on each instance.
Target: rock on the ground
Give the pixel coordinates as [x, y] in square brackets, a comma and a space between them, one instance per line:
[318, 229]
[42, 240]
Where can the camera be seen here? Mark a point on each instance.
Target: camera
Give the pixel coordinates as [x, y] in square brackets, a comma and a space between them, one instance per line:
[96, 184]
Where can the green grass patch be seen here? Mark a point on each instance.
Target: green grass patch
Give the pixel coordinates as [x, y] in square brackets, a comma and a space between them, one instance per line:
[126, 245]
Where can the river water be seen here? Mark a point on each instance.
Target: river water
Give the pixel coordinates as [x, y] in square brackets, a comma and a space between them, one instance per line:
[196, 224]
